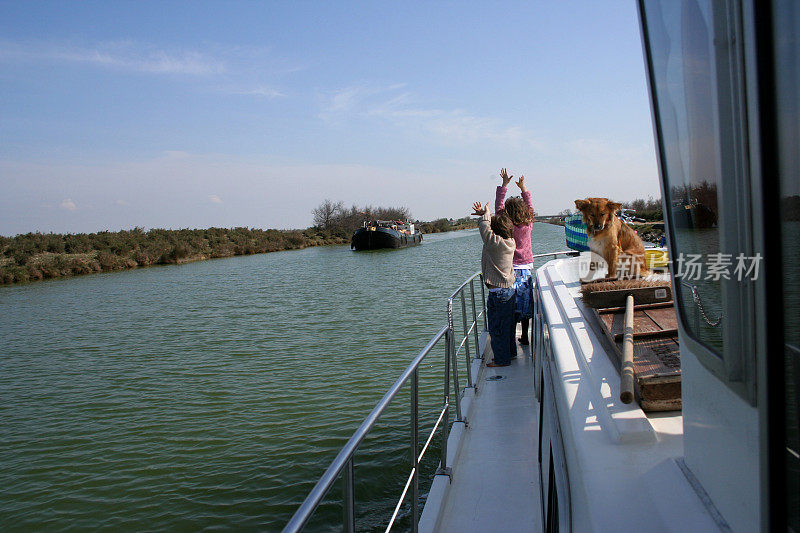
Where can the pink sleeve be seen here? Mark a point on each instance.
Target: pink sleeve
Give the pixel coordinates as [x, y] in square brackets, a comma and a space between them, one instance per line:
[528, 199]
[500, 197]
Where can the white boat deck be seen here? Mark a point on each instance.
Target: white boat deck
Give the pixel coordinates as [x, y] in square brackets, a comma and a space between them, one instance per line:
[495, 483]
[619, 468]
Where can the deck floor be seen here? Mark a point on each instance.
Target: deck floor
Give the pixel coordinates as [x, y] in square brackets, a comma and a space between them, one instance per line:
[495, 483]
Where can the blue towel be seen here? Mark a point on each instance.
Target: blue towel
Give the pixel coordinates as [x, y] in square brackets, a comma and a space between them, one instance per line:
[575, 230]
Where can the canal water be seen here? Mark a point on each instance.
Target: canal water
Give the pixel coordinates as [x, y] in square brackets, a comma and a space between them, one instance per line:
[214, 394]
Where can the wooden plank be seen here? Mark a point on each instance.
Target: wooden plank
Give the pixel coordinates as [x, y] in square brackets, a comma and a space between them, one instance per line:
[642, 323]
[607, 324]
[637, 307]
[656, 354]
[665, 318]
[658, 357]
[649, 334]
[660, 394]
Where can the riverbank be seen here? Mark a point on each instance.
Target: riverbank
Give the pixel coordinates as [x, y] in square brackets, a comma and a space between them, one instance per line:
[38, 256]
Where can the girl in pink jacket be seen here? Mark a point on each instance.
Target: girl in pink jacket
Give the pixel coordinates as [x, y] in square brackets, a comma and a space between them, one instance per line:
[520, 211]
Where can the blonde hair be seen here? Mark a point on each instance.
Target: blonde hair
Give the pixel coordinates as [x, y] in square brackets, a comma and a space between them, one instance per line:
[518, 211]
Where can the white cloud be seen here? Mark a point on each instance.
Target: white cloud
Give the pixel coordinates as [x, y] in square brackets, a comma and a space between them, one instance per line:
[122, 55]
[262, 91]
[214, 198]
[460, 127]
[447, 126]
[68, 204]
[344, 101]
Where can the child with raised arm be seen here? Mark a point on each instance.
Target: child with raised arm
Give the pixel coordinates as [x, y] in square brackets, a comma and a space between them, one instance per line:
[520, 211]
[498, 274]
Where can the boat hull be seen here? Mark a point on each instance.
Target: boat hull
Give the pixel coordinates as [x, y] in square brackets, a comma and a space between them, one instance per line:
[376, 238]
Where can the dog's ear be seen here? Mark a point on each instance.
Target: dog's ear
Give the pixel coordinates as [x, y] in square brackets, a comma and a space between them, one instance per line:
[614, 206]
[581, 204]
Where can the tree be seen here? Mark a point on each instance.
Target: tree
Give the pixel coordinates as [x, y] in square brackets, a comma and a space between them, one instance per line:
[393, 213]
[326, 213]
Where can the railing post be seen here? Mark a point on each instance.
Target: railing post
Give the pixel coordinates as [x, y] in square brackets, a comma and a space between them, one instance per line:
[535, 325]
[414, 450]
[466, 339]
[483, 303]
[448, 339]
[456, 387]
[349, 525]
[474, 318]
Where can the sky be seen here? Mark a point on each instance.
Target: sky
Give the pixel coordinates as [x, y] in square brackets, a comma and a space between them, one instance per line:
[197, 114]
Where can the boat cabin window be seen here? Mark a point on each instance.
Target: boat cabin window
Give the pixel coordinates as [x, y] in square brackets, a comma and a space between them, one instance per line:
[787, 80]
[692, 61]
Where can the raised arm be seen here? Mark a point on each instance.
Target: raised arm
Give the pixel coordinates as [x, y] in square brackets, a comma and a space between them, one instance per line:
[505, 177]
[500, 194]
[526, 195]
[521, 184]
[484, 224]
[478, 210]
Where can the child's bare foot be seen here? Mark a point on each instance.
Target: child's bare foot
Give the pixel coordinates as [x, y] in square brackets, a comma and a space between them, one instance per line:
[495, 365]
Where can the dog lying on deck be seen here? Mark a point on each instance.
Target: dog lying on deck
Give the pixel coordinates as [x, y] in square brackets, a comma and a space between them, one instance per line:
[613, 239]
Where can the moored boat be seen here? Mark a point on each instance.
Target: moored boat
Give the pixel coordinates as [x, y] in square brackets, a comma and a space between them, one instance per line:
[385, 234]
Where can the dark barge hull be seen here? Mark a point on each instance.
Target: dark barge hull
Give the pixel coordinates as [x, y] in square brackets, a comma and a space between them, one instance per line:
[373, 239]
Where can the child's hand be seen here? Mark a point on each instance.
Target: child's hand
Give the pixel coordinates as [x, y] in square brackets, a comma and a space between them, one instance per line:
[521, 184]
[478, 210]
[505, 176]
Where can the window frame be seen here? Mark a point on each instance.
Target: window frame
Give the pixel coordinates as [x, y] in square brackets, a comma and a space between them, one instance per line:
[735, 364]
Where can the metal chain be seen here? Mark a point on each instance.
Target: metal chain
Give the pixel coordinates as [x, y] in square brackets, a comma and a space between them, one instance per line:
[699, 304]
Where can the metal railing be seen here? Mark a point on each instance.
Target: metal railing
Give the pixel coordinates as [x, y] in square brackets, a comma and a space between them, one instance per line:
[468, 327]
[343, 462]
[571, 253]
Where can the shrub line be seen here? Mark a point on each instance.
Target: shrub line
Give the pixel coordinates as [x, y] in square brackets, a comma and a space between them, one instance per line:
[39, 256]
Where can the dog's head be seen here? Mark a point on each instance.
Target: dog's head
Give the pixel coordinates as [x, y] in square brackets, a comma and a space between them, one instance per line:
[597, 213]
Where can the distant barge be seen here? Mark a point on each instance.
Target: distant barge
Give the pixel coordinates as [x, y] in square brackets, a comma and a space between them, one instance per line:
[385, 234]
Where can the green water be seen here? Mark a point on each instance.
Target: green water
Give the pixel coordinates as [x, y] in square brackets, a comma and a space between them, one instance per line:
[214, 394]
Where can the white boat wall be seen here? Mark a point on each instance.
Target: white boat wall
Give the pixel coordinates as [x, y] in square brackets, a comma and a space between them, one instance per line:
[723, 80]
[604, 465]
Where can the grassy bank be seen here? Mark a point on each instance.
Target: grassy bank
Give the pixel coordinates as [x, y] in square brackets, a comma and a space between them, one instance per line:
[38, 256]
[443, 224]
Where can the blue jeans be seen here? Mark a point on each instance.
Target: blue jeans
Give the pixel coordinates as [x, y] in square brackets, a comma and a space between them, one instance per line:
[502, 326]
[523, 285]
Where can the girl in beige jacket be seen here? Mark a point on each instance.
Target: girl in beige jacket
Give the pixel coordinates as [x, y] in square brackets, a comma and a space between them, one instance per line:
[497, 259]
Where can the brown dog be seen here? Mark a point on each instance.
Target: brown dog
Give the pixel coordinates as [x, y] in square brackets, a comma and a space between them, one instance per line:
[611, 238]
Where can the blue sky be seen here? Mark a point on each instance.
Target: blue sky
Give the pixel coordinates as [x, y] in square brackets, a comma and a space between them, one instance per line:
[199, 114]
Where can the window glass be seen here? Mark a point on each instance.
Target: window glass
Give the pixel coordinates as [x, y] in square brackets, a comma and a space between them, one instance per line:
[787, 73]
[682, 58]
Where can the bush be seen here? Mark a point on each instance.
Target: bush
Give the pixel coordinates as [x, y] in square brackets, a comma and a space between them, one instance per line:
[436, 226]
[35, 256]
